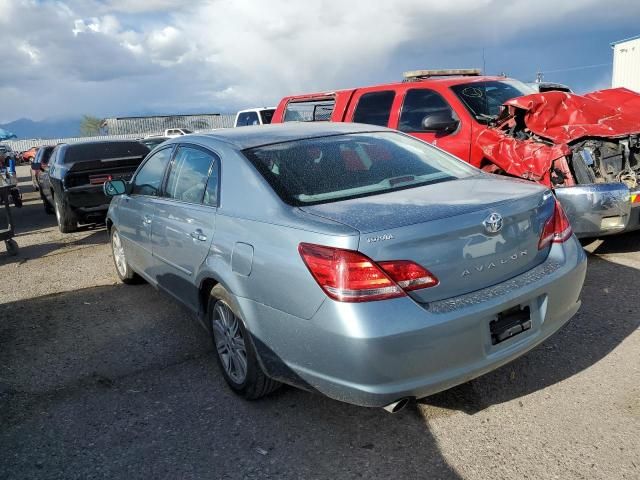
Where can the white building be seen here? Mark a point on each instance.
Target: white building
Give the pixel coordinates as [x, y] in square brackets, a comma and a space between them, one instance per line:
[626, 63]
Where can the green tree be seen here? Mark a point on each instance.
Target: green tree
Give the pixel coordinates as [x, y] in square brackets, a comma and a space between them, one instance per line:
[90, 126]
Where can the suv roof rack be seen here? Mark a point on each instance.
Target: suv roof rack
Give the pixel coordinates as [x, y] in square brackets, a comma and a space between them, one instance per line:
[413, 75]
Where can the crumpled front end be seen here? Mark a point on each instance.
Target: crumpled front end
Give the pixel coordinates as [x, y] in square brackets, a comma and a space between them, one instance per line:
[585, 147]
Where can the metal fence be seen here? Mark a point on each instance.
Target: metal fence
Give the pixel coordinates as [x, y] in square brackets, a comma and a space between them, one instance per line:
[22, 145]
[159, 123]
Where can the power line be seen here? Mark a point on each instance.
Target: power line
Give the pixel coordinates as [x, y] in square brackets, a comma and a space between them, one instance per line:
[582, 67]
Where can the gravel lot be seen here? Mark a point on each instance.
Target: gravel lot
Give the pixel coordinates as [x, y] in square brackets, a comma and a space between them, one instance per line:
[102, 380]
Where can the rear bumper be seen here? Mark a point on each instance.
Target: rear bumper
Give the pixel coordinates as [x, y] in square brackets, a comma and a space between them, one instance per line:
[599, 209]
[374, 353]
[87, 201]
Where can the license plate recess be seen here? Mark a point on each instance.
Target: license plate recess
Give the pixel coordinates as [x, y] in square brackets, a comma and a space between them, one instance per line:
[510, 323]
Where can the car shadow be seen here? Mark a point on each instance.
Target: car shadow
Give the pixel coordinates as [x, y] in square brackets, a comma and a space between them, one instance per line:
[608, 315]
[39, 250]
[118, 379]
[32, 218]
[625, 243]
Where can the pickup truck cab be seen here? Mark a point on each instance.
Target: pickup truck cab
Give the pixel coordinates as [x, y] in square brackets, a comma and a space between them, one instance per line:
[478, 119]
[254, 116]
[71, 181]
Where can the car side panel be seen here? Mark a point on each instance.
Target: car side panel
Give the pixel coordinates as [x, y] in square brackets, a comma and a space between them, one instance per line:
[181, 236]
[134, 221]
[275, 264]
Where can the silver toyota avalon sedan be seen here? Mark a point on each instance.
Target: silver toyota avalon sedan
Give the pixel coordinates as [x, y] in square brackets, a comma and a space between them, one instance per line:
[346, 259]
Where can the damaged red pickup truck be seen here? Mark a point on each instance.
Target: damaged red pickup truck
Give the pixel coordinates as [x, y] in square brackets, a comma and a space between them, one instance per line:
[587, 148]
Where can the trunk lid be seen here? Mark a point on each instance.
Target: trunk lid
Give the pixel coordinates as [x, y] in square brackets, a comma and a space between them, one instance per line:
[441, 227]
[97, 171]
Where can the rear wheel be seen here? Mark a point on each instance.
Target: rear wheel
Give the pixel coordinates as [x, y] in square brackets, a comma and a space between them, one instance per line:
[47, 206]
[235, 352]
[67, 220]
[124, 271]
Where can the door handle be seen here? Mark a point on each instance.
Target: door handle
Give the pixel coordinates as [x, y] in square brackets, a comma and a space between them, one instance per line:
[198, 235]
[146, 220]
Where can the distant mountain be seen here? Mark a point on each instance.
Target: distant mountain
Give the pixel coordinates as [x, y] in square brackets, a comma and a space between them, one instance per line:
[50, 128]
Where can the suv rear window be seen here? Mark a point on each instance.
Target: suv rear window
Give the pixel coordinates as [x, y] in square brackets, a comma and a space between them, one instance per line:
[329, 169]
[104, 150]
[309, 111]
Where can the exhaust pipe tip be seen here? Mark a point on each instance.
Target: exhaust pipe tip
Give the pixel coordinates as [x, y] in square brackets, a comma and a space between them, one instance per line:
[398, 405]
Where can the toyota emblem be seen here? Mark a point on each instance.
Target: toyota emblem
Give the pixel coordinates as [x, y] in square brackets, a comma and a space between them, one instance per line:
[493, 223]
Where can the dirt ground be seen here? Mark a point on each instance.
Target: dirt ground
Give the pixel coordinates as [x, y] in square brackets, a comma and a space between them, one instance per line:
[103, 380]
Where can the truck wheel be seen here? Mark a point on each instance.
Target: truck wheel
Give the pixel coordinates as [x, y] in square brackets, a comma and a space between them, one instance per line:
[67, 221]
[235, 352]
[124, 271]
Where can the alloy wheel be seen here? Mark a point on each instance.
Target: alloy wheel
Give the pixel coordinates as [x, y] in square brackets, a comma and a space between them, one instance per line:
[56, 207]
[229, 341]
[118, 254]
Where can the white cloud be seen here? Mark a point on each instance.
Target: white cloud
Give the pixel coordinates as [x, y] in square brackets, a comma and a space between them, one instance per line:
[32, 52]
[122, 56]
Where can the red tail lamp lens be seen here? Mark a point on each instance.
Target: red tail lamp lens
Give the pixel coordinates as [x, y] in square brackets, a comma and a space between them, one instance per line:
[349, 276]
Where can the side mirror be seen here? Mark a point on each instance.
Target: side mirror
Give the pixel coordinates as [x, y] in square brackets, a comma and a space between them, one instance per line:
[440, 122]
[114, 187]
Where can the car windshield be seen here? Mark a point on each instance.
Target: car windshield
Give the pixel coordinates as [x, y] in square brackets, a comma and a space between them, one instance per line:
[484, 99]
[329, 169]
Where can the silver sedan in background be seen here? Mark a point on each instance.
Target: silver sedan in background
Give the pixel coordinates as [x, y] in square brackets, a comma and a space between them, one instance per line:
[347, 259]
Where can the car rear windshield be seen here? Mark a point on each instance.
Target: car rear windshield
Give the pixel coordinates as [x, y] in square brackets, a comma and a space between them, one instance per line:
[484, 99]
[104, 150]
[310, 110]
[329, 169]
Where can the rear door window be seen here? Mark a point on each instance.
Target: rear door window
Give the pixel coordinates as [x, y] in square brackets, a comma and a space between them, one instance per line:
[188, 176]
[374, 108]
[148, 180]
[420, 103]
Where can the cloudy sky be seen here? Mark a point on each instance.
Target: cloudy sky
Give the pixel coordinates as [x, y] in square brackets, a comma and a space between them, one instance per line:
[115, 57]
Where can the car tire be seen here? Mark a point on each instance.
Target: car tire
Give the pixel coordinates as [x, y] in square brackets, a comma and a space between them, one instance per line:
[47, 206]
[67, 220]
[234, 350]
[124, 271]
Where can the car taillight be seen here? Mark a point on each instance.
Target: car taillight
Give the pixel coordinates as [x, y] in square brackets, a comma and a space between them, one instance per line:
[557, 229]
[408, 275]
[349, 276]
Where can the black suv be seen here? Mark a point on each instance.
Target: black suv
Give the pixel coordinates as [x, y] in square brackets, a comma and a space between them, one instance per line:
[71, 182]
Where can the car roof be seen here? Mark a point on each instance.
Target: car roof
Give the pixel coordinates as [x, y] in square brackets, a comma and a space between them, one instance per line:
[418, 83]
[259, 135]
[451, 81]
[257, 110]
